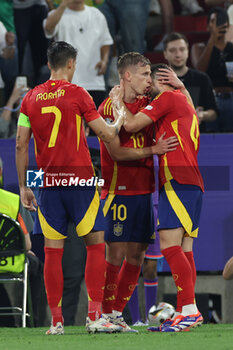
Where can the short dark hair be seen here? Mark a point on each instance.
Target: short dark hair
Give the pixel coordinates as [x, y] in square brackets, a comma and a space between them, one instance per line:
[59, 52]
[131, 59]
[155, 68]
[221, 11]
[172, 37]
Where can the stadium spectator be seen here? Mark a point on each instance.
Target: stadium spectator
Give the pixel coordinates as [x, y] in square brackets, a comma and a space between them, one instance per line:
[8, 51]
[86, 29]
[176, 52]
[179, 202]
[213, 58]
[132, 32]
[165, 9]
[229, 6]
[8, 120]
[127, 169]
[67, 153]
[29, 16]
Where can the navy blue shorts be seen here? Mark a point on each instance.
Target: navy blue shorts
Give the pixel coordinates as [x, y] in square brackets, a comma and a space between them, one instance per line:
[129, 218]
[81, 204]
[180, 206]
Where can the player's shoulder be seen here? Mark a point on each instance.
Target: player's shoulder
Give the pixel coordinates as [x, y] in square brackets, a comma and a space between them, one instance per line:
[105, 108]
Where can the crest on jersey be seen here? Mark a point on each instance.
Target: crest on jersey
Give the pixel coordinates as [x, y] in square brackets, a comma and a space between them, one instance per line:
[118, 229]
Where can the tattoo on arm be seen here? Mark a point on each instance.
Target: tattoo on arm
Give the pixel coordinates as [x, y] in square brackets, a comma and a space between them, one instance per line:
[116, 130]
[102, 136]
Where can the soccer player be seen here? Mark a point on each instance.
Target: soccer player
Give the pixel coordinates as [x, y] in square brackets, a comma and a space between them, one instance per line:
[181, 185]
[127, 168]
[53, 112]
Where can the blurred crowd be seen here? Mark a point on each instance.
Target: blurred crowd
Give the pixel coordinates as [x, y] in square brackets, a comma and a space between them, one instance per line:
[102, 30]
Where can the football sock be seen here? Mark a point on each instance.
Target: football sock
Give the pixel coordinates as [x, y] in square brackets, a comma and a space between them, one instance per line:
[181, 273]
[190, 309]
[133, 304]
[110, 290]
[53, 278]
[190, 257]
[127, 281]
[150, 287]
[95, 279]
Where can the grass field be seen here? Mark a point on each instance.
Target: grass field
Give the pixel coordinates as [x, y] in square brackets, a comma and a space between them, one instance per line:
[206, 337]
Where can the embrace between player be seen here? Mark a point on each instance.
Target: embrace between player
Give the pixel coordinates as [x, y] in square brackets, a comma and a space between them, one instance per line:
[60, 141]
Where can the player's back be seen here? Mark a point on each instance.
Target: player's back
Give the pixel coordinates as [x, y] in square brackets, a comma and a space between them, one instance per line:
[55, 110]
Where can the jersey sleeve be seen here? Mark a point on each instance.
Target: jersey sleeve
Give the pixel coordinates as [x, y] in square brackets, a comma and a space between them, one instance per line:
[88, 107]
[105, 110]
[160, 106]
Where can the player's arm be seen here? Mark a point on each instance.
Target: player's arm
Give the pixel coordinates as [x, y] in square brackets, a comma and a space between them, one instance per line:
[132, 122]
[107, 132]
[22, 141]
[228, 270]
[119, 153]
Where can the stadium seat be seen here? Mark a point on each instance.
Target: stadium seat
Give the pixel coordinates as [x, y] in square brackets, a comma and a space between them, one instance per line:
[14, 266]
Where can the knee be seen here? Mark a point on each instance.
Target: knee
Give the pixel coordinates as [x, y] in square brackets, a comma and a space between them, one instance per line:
[150, 269]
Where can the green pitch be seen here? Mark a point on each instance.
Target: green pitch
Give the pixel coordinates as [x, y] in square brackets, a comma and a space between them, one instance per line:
[206, 337]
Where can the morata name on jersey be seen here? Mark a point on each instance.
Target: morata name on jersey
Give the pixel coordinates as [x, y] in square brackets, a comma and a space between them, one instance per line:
[50, 95]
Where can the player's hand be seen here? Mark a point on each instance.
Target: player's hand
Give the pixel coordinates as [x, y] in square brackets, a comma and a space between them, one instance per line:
[164, 146]
[117, 93]
[101, 67]
[28, 199]
[168, 76]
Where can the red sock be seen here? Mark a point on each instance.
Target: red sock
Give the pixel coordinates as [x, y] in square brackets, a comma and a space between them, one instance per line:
[53, 278]
[110, 290]
[95, 278]
[190, 257]
[127, 281]
[181, 273]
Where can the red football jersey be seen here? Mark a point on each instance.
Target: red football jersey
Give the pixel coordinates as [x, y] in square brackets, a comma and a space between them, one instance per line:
[55, 110]
[173, 113]
[127, 177]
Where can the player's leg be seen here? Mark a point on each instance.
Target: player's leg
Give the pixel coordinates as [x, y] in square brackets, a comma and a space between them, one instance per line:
[115, 253]
[187, 245]
[95, 272]
[53, 278]
[53, 221]
[152, 256]
[150, 283]
[127, 281]
[179, 213]
[170, 242]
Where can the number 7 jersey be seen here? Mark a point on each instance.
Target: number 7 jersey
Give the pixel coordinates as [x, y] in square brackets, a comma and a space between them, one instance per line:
[127, 177]
[54, 111]
[174, 114]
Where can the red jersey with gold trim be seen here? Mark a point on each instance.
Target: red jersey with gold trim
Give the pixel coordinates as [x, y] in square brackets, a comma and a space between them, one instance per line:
[127, 177]
[173, 113]
[55, 110]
